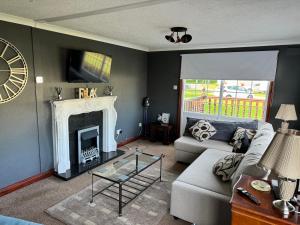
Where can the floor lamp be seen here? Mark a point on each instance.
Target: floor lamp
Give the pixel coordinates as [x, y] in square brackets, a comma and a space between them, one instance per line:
[146, 104]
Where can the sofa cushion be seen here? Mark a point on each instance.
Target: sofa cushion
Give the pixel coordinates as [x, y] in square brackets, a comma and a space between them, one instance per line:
[189, 144]
[189, 123]
[202, 130]
[241, 139]
[265, 129]
[226, 166]
[199, 173]
[257, 148]
[225, 129]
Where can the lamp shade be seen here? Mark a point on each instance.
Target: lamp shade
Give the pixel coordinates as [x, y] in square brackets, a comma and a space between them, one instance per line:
[286, 112]
[283, 154]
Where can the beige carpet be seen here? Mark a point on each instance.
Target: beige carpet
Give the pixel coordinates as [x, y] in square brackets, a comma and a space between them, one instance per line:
[147, 209]
[31, 202]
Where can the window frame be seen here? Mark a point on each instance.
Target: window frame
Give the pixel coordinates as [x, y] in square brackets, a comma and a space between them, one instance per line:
[266, 109]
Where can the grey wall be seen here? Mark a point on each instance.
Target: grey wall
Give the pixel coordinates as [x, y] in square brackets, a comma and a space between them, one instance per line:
[19, 150]
[164, 71]
[27, 119]
[287, 84]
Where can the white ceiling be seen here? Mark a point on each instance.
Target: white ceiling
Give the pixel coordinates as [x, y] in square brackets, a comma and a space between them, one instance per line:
[144, 23]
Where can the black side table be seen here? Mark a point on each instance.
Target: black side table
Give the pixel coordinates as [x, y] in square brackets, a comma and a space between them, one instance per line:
[161, 132]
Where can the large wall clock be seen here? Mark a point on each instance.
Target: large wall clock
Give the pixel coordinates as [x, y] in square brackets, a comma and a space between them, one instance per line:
[13, 72]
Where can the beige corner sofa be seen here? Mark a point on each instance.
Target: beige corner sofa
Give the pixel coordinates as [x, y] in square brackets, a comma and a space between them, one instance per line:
[200, 197]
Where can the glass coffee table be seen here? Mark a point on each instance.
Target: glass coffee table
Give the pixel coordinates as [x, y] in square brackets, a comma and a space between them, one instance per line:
[127, 180]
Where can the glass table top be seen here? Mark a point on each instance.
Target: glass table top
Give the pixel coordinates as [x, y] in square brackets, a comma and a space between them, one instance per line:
[127, 167]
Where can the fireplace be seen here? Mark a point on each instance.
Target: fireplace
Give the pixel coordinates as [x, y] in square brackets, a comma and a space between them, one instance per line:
[83, 134]
[88, 144]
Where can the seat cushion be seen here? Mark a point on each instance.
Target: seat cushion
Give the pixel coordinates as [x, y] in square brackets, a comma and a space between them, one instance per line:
[189, 144]
[200, 173]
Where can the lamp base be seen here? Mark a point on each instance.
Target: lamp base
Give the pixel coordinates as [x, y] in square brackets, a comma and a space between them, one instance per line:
[284, 206]
[284, 125]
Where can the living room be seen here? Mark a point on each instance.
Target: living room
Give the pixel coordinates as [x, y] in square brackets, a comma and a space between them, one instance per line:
[102, 104]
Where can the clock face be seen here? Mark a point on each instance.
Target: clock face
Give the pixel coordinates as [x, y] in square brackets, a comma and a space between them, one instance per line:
[13, 72]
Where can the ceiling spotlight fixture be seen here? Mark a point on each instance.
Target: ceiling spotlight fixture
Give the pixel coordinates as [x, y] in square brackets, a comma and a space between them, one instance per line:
[184, 39]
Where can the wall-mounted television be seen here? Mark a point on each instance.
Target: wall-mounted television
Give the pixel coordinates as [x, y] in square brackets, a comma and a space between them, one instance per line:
[88, 67]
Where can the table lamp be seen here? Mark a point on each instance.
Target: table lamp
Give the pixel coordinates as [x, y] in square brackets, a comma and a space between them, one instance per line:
[283, 158]
[286, 113]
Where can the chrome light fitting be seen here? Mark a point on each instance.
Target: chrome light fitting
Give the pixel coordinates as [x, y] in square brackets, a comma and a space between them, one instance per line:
[184, 38]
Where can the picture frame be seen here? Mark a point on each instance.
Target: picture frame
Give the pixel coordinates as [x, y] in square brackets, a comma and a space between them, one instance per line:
[165, 118]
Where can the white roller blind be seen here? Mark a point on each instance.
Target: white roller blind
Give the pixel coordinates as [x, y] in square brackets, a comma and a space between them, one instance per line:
[254, 65]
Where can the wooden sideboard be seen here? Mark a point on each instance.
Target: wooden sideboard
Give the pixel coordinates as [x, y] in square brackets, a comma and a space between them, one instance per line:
[162, 132]
[244, 212]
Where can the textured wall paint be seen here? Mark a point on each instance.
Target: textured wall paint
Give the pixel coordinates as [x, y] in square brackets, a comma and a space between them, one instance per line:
[19, 150]
[164, 71]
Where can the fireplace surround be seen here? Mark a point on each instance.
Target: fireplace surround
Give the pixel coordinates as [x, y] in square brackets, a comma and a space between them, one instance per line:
[62, 110]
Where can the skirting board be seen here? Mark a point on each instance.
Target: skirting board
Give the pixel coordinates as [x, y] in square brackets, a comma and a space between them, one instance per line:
[41, 176]
[132, 139]
[25, 182]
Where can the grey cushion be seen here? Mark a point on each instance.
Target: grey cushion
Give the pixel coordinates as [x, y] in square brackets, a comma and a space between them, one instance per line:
[257, 148]
[225, 129]
[199, 173]
[264, 129]
[189, 144]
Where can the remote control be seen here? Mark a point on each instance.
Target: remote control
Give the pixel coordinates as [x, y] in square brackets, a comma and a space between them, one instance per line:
[248, 195]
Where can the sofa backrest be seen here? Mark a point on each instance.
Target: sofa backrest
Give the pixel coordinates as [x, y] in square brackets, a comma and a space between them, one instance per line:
[258, 146]
[199, 116]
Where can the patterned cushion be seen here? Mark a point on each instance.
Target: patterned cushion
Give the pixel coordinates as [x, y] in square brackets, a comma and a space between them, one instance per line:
[225, 129]
[202, 130]
[241, 139]
[225, 167]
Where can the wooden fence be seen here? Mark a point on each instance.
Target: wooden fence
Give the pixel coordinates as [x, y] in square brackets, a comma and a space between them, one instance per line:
[239, 107]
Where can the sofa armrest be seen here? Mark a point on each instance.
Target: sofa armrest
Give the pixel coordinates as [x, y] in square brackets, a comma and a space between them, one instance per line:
[198, 205]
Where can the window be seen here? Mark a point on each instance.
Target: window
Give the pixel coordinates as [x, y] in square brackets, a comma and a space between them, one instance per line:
[234, 98]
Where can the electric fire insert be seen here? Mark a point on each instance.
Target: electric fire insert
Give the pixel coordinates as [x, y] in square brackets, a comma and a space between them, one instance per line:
[88, 144]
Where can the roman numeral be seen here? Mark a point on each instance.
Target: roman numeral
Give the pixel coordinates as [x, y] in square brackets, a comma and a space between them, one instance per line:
[16, 81]
[14, 59]
[4, 50]
[18, 71]
[1, 99]
[8, 90]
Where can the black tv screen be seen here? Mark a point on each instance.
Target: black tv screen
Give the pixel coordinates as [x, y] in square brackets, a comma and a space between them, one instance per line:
[88, 67]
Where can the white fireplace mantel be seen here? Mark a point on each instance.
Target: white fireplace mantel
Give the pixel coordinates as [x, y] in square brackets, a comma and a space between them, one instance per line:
[62, 110]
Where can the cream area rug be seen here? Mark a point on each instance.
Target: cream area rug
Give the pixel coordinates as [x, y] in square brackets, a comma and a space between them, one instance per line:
[147, 209]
